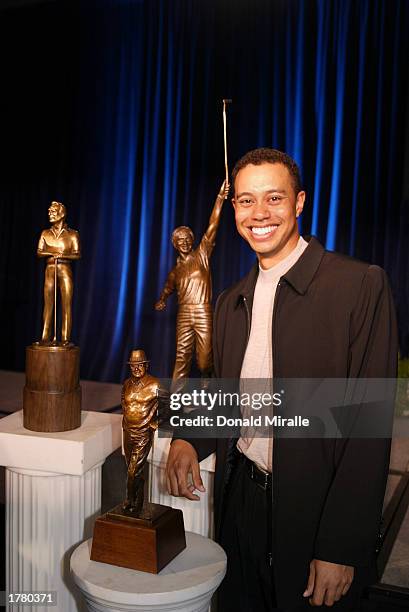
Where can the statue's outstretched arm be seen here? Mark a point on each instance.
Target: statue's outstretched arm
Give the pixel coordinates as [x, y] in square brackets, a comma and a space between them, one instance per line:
[170, 286]
[210, 233]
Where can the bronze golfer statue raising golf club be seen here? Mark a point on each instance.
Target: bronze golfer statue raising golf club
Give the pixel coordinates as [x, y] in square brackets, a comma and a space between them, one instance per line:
[191, 280]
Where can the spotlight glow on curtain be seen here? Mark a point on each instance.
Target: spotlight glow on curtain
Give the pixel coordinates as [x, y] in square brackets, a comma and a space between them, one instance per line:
[324, 80]
[312, 78]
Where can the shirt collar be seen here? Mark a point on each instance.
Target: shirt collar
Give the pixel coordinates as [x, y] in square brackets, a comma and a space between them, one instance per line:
[57, 234]
[299, 276]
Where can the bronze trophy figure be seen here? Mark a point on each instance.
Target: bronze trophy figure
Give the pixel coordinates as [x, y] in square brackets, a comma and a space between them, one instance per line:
[52, 393]
[140, 420]
[61, 245]
[191, 279]
[138, 534]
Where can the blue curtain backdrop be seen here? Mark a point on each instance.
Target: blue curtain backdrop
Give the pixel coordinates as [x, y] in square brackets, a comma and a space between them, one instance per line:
[123, 123]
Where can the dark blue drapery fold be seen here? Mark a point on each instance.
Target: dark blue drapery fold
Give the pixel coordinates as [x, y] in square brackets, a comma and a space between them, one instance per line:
[324, 80]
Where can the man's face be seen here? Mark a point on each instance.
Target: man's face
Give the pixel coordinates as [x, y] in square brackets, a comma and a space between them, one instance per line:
[55, 212]
[138, 369]
[183, 243]
[266, 210]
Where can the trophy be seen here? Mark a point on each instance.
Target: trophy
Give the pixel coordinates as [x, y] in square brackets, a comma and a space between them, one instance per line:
[138, 534]
[191, 280]
[52, 393]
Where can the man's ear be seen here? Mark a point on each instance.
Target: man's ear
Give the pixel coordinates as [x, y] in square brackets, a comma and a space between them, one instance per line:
[299, 203]
[233, 201]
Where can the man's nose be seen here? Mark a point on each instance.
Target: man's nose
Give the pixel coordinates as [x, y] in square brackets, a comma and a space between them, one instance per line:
[260, 210]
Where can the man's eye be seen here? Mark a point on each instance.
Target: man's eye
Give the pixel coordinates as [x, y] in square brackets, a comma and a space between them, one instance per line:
[275, 198]
[245, 202]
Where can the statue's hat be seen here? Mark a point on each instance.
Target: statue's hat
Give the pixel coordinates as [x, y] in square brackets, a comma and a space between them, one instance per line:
[138, 356]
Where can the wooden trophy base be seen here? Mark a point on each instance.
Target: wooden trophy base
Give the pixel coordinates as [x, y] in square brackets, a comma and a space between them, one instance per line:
[52, 394]
[147, 543]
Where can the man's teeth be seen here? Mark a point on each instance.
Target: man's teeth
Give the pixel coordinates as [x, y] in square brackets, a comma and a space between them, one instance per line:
[260, 231]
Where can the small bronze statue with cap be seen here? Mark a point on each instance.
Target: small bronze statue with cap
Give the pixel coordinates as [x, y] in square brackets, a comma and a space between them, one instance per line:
[139, 534]
[140, 420]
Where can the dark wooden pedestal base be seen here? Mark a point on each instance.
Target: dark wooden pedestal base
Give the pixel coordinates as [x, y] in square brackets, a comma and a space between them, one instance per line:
[52, 394]
[146, 544]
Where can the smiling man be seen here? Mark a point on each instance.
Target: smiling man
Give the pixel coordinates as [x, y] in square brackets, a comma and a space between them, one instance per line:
[298, 517]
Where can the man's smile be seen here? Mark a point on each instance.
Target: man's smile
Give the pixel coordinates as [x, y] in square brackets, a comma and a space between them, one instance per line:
[262, 232]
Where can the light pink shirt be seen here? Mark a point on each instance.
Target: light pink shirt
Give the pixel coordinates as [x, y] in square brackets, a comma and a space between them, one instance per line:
[258, 358]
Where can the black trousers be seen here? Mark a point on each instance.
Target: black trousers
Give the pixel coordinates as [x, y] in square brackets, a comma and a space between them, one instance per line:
[246, 537]
[248, 585]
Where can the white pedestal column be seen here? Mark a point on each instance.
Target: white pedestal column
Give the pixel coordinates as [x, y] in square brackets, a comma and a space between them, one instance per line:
[49, 512]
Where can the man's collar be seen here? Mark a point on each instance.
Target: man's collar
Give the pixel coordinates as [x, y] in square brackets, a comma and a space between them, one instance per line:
[138, 382]
[303, 271]
[58, 234]
[299, 276]
[146, 378]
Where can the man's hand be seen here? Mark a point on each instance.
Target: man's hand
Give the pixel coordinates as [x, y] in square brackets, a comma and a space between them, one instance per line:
[327, 582]
[160, 305]
[224, 190]
[182, 460]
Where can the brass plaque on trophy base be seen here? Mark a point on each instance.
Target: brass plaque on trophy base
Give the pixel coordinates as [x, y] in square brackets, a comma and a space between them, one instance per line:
[146, 543]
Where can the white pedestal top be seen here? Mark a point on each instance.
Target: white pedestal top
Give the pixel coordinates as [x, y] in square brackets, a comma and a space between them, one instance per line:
[68, 452]
[195, 571]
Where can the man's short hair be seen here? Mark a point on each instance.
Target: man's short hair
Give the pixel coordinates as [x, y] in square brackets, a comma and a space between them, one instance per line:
[182, 229]
[61, 207]
[270, 156]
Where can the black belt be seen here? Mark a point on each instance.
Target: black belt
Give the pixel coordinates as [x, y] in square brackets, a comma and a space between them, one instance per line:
[261, 478]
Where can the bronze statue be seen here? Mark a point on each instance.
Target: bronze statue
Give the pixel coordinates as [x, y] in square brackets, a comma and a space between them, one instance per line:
[140, 536]
[140, 420]
[61, 245]
[191, 280]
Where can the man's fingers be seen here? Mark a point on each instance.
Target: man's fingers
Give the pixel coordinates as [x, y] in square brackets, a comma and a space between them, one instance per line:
[330, 596]
[311, 580]
[346, 588]
[182, 470]
[174, 487]
[318, 595]
[168, 485]
[332, 581]
[338, 592]
[182, 460]
[197, 480]
[184, 490]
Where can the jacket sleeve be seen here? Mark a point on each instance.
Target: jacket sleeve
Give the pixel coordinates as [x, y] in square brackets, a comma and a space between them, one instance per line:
[349, 524]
